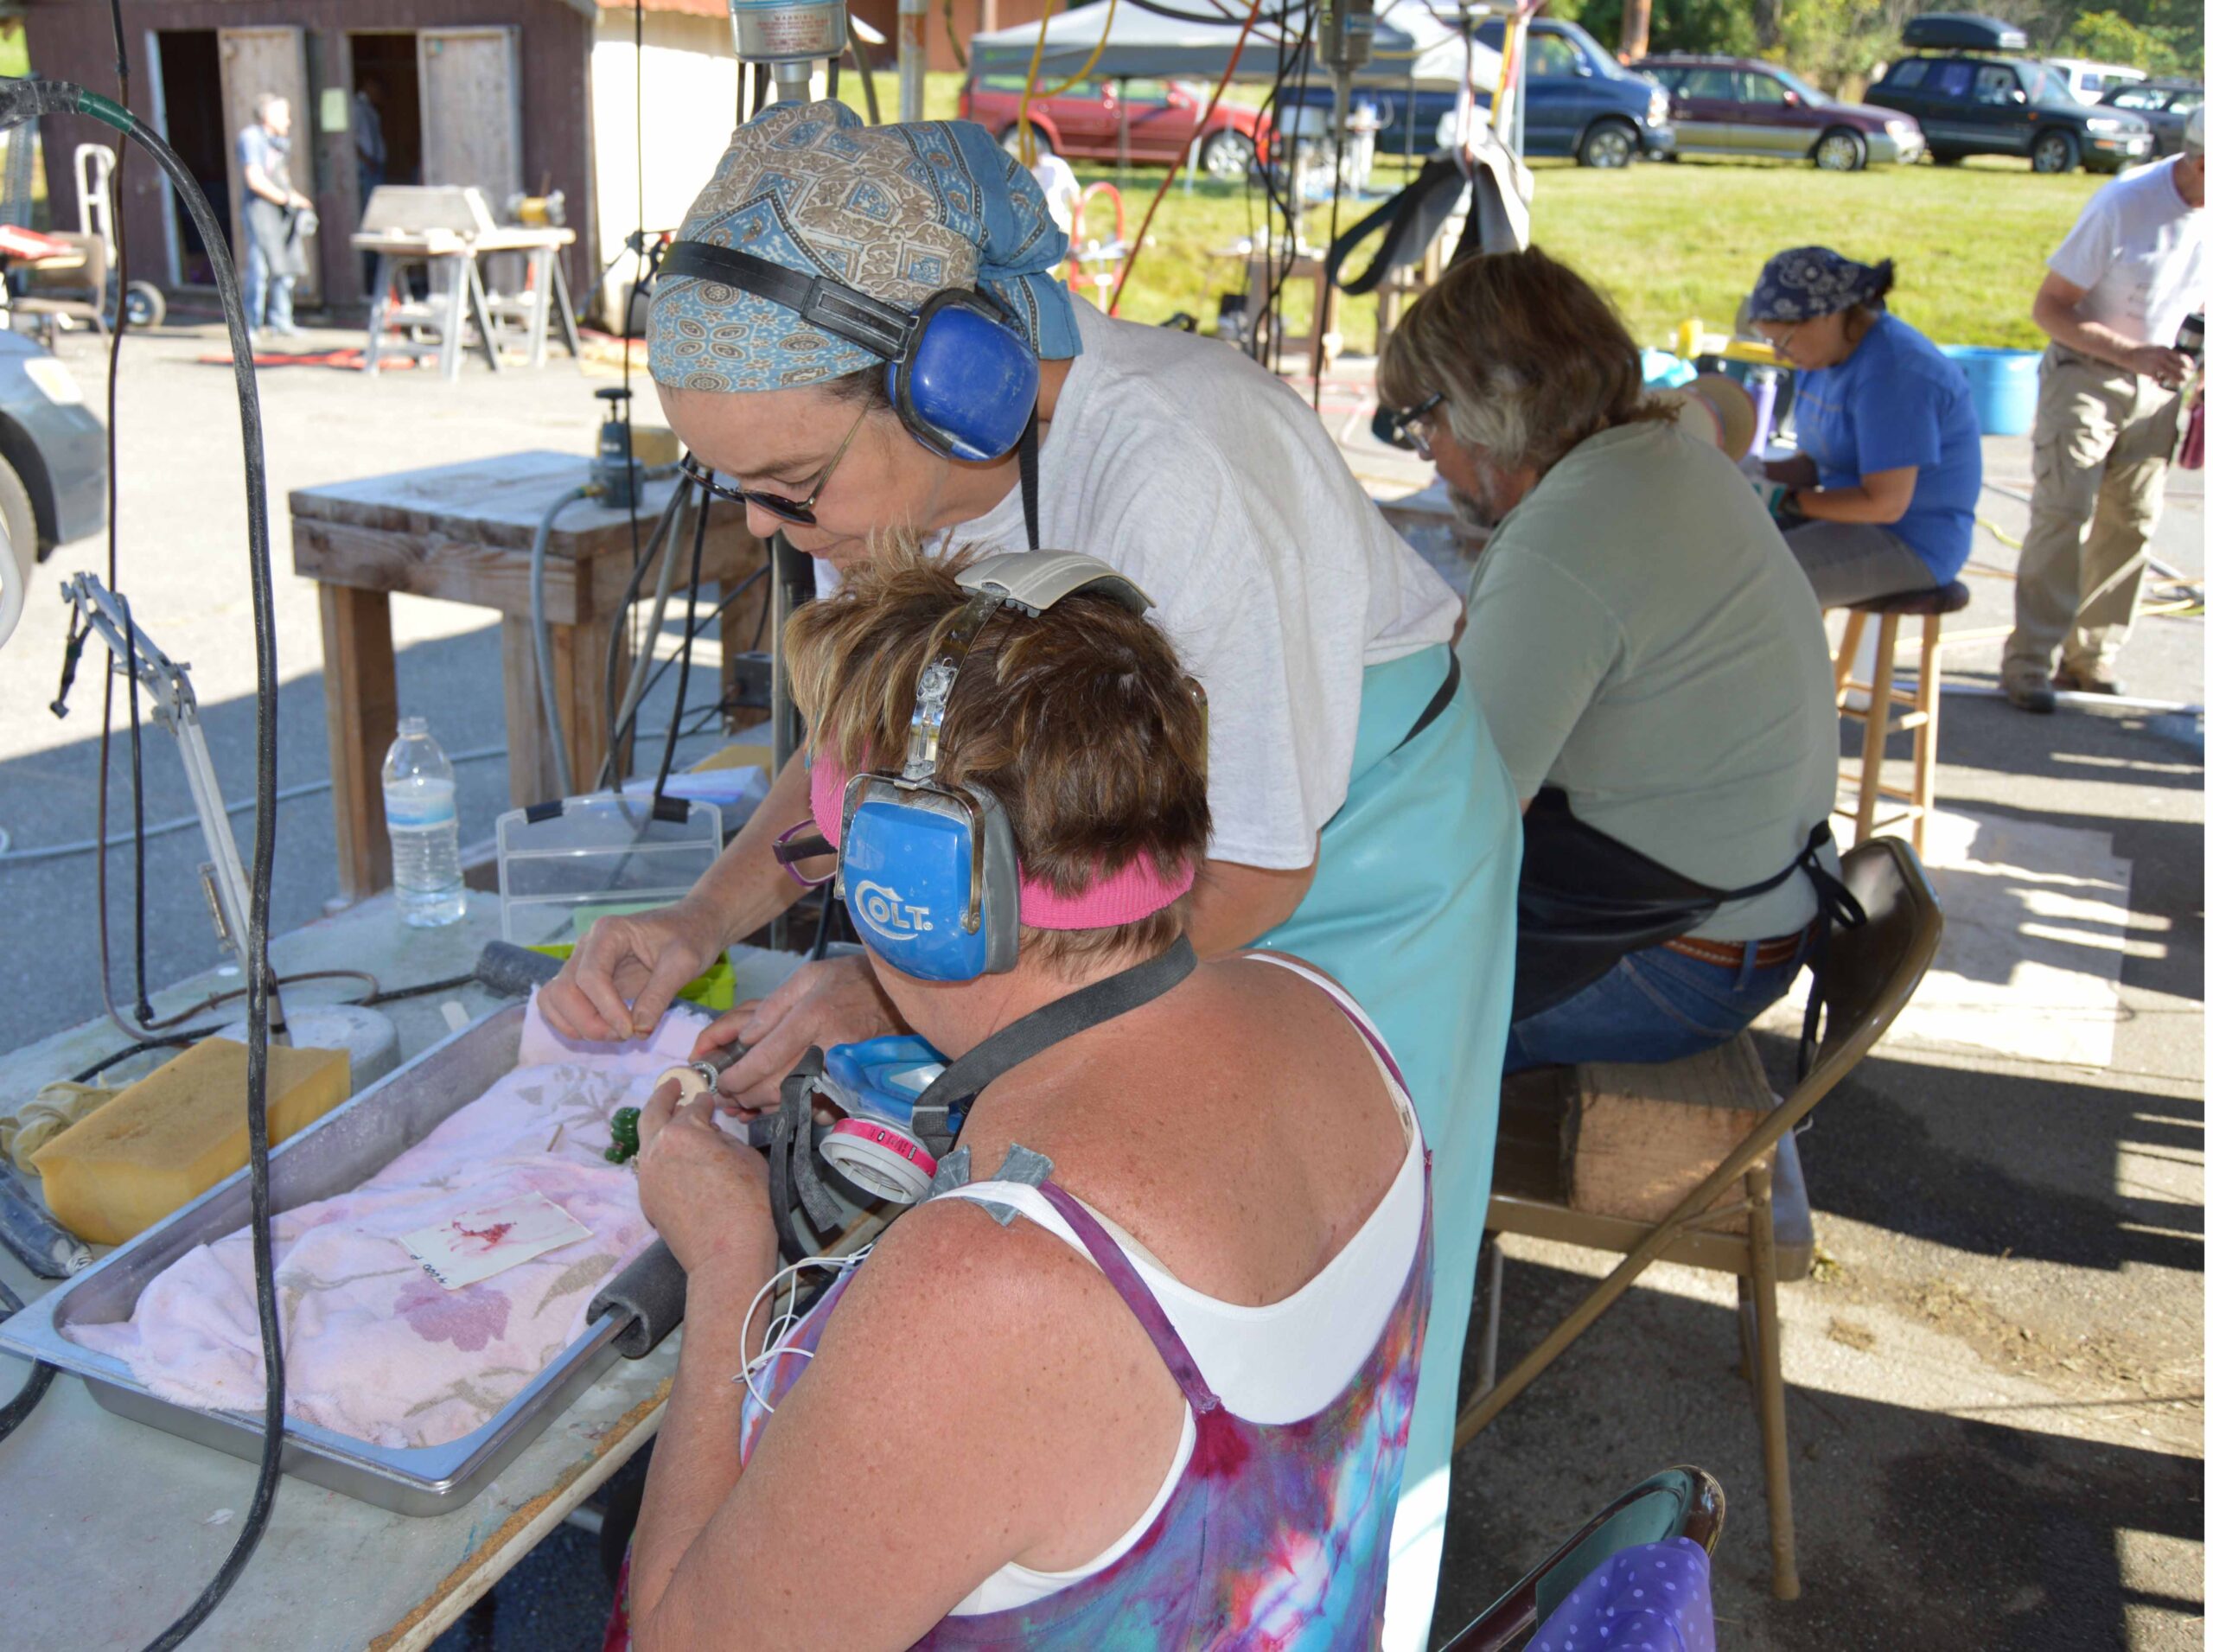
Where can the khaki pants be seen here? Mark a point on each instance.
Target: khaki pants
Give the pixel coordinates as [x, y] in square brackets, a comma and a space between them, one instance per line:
[2103, 437]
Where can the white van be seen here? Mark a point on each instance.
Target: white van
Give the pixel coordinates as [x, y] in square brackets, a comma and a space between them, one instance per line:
[2089, 82]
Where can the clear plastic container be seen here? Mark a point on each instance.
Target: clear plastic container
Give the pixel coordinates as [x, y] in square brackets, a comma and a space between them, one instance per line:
[425, 829]
[563, 865]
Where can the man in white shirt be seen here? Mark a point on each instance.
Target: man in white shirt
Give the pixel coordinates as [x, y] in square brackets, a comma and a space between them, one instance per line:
[2114, 301]
[1064, 195]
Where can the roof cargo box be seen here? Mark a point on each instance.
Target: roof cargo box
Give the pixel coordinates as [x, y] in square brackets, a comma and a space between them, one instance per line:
[1961, 31]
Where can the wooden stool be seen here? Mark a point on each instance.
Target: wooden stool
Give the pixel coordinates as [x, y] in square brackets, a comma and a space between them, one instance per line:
[1918, 714]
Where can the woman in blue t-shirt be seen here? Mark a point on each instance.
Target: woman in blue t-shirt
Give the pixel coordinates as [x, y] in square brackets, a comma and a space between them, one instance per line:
[1882, 491]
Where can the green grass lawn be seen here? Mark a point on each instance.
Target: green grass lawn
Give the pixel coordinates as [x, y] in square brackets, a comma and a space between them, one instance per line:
[1666, 241]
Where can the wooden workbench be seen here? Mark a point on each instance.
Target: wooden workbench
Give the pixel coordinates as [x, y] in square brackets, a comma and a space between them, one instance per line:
[462, 533]
[110, 1527]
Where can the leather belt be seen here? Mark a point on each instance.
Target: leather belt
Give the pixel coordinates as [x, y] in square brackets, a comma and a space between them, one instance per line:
[1730, 954]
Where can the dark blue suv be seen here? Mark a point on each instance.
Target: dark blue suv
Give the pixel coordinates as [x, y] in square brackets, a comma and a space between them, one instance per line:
[1580, 102]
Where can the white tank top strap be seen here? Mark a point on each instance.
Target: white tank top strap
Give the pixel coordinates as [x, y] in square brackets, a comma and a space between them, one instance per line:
[1385, 1063]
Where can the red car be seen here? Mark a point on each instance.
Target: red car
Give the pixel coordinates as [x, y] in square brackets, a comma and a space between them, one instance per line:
[1094, 120]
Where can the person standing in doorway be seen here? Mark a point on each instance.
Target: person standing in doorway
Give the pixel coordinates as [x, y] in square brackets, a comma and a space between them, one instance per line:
[370, 154]
[2114, 300]
[275, 242]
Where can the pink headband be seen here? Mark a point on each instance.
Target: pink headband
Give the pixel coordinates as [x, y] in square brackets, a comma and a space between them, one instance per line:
[1136, 891]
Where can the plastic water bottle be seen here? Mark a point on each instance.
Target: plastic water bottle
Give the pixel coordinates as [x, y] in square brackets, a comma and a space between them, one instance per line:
[419, 813]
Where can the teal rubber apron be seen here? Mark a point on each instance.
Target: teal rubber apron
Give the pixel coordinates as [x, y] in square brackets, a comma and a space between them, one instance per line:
[1412, 908]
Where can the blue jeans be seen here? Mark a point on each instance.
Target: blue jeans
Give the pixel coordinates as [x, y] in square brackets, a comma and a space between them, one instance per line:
[275, 291]
[1654, 1005]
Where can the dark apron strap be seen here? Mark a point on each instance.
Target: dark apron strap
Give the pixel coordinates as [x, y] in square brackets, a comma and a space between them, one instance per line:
[1028, 447]
[964, 1079]
[1438, 701]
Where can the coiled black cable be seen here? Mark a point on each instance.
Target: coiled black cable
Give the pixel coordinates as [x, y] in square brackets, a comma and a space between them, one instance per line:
[26, 101]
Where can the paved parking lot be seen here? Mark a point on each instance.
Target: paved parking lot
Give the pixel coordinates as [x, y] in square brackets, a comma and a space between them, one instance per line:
[1997, 1407]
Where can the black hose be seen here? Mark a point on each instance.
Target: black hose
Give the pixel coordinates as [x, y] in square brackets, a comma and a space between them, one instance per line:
[609, 765]
[25, 100]
[35, 1385]
[690, 636]
[661, 670]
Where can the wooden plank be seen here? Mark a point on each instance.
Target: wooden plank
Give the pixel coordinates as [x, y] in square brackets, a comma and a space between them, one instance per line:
[361, 706]
[454, 571]
[472, 122]
[1646, 1134]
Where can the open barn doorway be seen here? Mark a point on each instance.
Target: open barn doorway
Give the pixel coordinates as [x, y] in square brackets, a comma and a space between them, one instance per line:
[188, 90]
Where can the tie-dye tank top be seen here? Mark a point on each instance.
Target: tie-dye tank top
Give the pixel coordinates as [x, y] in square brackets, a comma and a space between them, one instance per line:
[1275, 1537]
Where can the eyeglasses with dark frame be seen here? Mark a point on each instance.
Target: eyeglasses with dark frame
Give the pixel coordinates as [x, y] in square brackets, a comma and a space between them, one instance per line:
[801, 511]
[1408, 427]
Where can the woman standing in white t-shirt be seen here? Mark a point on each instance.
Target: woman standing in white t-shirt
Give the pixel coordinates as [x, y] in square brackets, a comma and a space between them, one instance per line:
[1362, 818]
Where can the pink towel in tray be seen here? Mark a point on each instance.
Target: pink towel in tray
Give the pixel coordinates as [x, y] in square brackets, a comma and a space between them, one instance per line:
[375, 1348]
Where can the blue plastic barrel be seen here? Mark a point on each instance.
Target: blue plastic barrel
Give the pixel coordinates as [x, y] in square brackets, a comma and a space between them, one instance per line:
[2003, 384]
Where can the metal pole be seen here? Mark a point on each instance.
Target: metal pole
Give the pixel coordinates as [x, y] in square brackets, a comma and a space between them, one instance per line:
[913, 56]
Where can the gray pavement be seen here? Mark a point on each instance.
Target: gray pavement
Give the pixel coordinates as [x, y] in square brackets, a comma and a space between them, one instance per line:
[1996, 1412]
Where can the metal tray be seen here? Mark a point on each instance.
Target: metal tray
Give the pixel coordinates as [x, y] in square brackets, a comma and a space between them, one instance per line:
[340, 1150]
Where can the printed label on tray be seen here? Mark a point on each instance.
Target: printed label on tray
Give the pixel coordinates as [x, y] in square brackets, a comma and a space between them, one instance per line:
[477, 1244]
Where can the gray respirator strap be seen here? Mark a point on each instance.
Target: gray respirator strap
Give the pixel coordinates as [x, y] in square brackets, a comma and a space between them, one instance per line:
[1011, 1046]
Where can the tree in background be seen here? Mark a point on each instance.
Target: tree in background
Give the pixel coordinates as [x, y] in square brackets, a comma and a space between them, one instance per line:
[1832, 41]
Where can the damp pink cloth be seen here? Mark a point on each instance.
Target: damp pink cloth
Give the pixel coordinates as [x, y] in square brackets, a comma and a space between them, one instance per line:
[374, 1347]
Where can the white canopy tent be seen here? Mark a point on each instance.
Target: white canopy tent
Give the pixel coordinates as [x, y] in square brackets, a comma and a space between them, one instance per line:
[1413, 46]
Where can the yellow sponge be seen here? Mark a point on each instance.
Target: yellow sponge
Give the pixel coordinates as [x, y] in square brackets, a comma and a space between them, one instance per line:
[175, 1134]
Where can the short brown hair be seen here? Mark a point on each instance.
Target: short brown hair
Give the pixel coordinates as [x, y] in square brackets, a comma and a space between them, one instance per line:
[1531, 359]
[1081, 722]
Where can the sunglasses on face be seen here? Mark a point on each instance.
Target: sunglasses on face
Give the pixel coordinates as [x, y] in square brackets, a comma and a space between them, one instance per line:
[798, 511]
[1408, 427]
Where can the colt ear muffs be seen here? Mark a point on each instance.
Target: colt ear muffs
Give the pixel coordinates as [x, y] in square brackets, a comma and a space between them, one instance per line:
[930, 873]
[960, 374]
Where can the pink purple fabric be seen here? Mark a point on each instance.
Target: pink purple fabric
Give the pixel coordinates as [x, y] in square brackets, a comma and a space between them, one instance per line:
[374, 1346]
[1137, 890]
[1655, 1597]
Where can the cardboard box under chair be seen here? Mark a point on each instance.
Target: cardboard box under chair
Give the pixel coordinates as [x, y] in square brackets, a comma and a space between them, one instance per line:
[1638, 1138]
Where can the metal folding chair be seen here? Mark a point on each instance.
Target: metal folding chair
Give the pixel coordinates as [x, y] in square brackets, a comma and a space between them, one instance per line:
[1872, 971]
[1681, 1501]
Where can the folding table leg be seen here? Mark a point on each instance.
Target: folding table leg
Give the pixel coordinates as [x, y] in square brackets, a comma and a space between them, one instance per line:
[380, 309]
[564, 311]
[1775, 1443]
[480, 310]
[457, 268]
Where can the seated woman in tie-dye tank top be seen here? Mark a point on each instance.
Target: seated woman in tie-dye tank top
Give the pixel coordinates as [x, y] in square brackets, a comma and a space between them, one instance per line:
[1144, 1385]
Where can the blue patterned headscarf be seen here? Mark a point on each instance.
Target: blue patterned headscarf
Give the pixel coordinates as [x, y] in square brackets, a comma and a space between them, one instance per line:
[898, 212]
[1810, 281]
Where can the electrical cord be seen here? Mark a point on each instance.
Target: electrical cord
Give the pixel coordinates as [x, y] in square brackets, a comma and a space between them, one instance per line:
[25, 100]
[691, 636]
[541, 634]
[377, 996]
[1230, 71]
[185, 822]
[623, 731]
[35, 1386]
[642, 656]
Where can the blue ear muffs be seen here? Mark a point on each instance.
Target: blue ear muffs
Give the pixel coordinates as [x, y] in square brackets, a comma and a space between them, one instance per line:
[930, 873]
[960, 374]
[969, 379]
[930, 877]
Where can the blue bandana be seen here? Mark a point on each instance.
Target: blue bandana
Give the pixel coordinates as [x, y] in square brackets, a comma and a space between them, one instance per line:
[1810, 281]
[897, 212]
